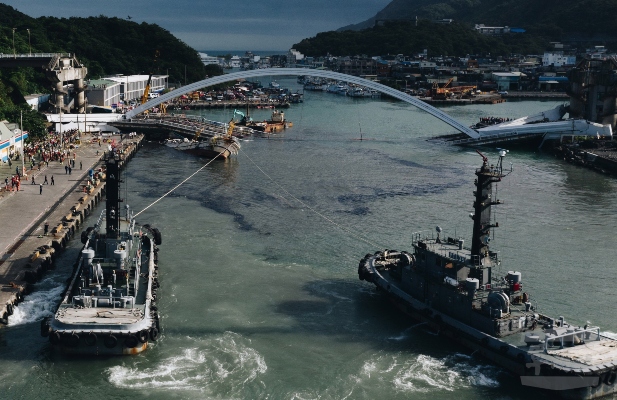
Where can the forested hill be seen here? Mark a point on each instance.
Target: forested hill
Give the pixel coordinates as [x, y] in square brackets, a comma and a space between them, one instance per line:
[404, 37]
[556, 18]
[105, 45]
[580, 22]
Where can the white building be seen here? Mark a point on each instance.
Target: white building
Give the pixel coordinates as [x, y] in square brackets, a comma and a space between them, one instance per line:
[294, 57]
[492, 30]
[209, 60]
[133, 86]
[557, 59]
[235, 62]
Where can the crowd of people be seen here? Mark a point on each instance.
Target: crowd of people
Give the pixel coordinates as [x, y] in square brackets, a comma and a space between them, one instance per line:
[54, 147]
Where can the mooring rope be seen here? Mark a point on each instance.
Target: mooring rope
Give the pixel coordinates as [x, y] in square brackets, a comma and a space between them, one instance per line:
[180, 184]
[339, 226]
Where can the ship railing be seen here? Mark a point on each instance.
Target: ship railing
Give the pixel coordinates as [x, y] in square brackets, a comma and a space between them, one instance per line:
[582, 334]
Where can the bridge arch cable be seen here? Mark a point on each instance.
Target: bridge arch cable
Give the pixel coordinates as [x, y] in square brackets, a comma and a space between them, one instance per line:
[310, 72]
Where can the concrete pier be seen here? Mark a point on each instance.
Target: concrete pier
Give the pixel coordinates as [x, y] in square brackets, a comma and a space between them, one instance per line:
[26, 254]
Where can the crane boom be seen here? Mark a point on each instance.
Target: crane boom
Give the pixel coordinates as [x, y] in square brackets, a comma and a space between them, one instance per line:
[144, 98]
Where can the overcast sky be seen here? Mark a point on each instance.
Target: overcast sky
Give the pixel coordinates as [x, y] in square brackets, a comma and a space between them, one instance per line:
[220, 24]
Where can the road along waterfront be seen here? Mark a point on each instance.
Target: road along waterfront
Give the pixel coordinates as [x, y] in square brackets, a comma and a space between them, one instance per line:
[261, 297]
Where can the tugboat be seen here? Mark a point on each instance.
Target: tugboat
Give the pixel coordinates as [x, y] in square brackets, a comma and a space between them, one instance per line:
[109, 306]
[454, 290]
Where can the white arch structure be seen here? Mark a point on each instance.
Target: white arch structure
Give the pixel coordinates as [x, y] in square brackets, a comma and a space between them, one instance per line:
[306, 72]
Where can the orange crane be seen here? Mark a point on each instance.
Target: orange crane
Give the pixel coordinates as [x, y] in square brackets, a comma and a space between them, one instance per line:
[144, 98]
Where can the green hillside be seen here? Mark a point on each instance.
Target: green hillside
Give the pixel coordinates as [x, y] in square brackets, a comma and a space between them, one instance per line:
[403, 37]
[565, 18]
[105, 45]
[581, 23]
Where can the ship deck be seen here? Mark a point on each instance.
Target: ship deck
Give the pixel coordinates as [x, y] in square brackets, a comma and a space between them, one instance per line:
[592, 355]
[106, 316]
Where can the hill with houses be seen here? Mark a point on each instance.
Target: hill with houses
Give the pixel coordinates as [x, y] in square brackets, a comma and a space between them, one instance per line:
[561, 20]
[460, 27]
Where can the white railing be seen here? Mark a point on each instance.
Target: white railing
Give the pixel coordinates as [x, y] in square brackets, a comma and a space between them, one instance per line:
[34, 55]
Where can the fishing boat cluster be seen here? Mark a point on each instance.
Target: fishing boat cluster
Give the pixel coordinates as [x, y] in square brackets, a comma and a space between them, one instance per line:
[336, 87]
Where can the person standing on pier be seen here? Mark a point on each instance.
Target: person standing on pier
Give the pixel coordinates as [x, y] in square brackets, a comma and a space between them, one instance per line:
[34, 183]
[40, 188]
[45, 182]
[66, 169]
[52, 180]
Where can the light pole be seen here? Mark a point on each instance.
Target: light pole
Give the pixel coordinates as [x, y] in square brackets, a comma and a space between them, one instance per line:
[29, 44]
[14, 53]
[23, 154]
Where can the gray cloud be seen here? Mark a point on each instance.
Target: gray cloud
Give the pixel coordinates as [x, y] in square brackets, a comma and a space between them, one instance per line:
[220, 24]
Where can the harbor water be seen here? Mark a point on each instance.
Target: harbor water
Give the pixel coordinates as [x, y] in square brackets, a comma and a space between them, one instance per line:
[260, 297]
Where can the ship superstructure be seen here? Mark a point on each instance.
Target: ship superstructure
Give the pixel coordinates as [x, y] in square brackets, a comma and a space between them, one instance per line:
[454, 288]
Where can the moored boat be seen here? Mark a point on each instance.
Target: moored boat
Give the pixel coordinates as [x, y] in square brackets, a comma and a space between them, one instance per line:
[217, 146]
[109, 305]
[454, 289]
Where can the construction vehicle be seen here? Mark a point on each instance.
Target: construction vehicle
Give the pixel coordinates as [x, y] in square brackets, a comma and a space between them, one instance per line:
[144, 97]
[446, 92]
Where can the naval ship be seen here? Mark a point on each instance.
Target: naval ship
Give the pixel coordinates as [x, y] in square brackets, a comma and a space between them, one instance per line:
[453, 288]
[109, 306]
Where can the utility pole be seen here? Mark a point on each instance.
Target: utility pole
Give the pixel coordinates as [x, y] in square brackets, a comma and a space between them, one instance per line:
[14, 53]
[23, 153]
[29, 44]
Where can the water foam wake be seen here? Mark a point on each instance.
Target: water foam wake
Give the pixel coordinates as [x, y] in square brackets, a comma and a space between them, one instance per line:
[38, 304]
[424, 373]
[221, 364]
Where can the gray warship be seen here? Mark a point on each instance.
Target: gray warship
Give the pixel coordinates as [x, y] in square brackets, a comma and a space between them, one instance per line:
[453, 289]
[109, 306]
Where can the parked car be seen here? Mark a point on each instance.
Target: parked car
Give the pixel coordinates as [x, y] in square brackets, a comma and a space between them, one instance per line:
[502, 92]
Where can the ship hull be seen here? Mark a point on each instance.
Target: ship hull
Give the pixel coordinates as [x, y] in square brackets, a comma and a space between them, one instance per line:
[98, 347]
[495, 349]
[219, 149]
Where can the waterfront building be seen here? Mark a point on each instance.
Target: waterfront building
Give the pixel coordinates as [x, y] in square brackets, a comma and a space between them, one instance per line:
[507, 80]
[11, 140]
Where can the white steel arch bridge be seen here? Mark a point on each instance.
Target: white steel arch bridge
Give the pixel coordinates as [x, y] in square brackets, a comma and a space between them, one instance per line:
[306, 72]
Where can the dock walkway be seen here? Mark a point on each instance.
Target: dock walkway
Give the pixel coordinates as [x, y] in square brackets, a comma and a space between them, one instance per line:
[24, 213]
